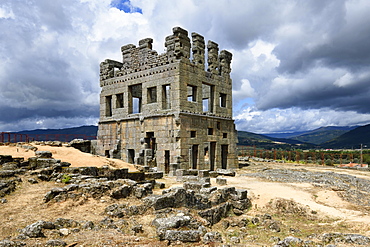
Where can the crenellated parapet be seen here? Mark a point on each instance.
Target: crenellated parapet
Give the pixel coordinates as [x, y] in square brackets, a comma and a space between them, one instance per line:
[178, 47]
[198, 50]
[178, 44]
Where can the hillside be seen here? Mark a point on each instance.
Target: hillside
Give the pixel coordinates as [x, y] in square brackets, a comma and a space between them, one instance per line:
[351, 139]
[251, 139]
[316, 136]
[89, 130]
[322, 134]
[326, 137]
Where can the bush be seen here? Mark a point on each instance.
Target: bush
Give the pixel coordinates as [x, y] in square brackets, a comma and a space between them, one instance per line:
[66, 179]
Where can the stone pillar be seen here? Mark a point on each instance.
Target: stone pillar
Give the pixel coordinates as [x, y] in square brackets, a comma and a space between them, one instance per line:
[178, 44]
[126, 55]
[224, 62]
[212, 57]
[198, 49]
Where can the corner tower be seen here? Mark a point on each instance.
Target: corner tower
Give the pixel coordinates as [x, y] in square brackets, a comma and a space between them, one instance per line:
[172, 110]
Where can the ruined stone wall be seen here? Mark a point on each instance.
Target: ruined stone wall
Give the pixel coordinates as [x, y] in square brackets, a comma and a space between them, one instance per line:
[160, 98]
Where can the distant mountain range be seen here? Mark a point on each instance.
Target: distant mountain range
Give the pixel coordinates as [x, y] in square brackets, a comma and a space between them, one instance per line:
[324, 137]
[316, 136]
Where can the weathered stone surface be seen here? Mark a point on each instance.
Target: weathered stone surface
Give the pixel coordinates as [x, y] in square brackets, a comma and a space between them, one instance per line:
[173, 198]
[215, 214]
[289, 241]
[53, 193]
[7, 186]
[9, 243]
[197, 201]
[7, 173]
[171, 222]
[89, 225]
[356, 239]
[121, 192]
[34, 230]
[183, 236]
[43, 154]
[226, 172]
[56, 242]
[212, 237]
[5, 159]
[65, 223]
[195, 186]
[221, 181]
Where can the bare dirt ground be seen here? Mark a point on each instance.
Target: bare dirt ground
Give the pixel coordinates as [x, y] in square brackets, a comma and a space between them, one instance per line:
[332, 214]
[67, 154]
[325, 201]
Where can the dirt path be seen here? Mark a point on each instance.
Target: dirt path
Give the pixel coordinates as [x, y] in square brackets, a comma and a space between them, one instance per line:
[68, 154]
[323, 201]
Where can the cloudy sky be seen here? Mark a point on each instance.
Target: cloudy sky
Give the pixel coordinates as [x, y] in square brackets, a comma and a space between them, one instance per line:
[297, 64]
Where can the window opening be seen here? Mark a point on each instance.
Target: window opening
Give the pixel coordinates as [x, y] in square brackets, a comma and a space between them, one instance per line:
[166, 99]
[210, 131]
[193, 134]
[224, 135]
[119, 100]
[108, 106]
[205, 105]
[152, 95]
[192, 93]
[207, 97]
[135, 99]
[222, 100]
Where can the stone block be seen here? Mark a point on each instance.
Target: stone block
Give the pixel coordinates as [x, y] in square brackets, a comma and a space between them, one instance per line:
[183, 236]
[221, 181]
[43, 154]
[213, 174]
[203, 173]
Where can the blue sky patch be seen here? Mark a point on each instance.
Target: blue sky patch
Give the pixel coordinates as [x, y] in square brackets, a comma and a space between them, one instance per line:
[126, 6]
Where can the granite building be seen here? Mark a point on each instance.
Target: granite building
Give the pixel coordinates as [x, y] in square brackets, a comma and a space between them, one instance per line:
[171, 110]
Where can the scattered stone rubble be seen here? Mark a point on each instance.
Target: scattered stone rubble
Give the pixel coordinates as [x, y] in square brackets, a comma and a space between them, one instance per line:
[195, 212]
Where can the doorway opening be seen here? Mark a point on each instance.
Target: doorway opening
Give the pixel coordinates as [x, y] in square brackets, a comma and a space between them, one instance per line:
[167, 161]
[194, 156]
[224, 153]
[131, 156]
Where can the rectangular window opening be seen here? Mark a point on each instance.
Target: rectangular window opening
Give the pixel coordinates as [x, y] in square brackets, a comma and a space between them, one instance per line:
[108, 106]
[192, 93]
[205, 105]
[210, 131]
[135, 99]
[152, 95]
[119, 100]
[193, 134]
[224, 135]
[207, 97]
[166, 97]
[222, 100]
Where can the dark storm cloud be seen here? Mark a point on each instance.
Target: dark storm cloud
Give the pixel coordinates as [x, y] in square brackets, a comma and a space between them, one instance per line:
[296, 63]
[41, 75]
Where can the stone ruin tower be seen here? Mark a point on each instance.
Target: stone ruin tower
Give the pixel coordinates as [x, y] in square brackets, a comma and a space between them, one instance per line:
[169, 111]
